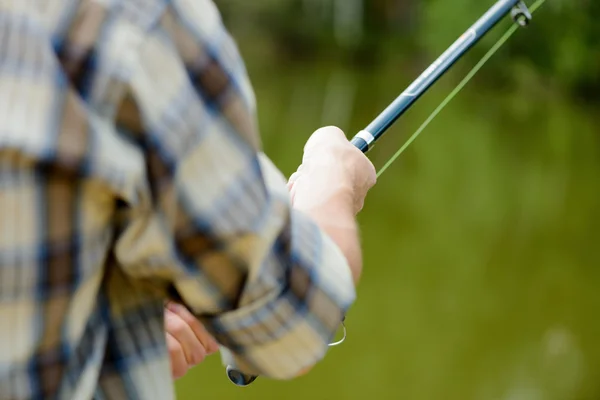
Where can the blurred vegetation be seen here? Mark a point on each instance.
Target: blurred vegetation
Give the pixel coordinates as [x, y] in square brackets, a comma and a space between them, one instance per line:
[482, 276]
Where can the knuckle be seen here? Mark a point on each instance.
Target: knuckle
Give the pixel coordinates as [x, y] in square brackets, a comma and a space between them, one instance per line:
[372, 178]
[370, 170]
[334, 130]
[325, 135]
[330, 129]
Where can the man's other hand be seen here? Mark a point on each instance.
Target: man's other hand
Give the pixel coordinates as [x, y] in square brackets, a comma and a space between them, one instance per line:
[188, 341]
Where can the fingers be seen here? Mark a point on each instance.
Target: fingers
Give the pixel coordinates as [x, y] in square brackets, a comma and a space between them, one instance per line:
[179, 364]
[188, 341]
[206, 339]
[294, 177]
[333, 170]
[193, 348]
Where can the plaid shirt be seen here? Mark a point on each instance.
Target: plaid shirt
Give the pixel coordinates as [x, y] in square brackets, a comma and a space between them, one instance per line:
[131, 172]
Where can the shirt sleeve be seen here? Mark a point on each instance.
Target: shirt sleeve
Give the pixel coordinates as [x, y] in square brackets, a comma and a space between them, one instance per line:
[218, 227]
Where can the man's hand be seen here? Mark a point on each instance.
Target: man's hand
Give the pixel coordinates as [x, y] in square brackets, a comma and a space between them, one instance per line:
[188, 341]
[332, 169]
[331, 186]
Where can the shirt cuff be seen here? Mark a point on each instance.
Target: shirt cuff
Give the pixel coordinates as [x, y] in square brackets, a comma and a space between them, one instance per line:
[289, 329]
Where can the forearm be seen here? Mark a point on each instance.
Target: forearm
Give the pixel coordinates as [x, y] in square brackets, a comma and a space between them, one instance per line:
[348, 241]
[337, 220]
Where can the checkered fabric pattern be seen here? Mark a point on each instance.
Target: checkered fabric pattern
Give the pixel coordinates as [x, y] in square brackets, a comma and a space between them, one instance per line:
[131, 172]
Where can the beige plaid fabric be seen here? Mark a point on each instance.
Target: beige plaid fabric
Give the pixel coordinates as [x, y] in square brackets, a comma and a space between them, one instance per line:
[131, 172]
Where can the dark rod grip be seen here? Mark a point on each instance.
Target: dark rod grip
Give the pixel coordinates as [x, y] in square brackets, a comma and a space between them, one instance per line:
[238, 378]
[360, 144]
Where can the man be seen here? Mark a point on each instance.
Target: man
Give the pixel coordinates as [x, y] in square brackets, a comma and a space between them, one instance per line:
[131, 174]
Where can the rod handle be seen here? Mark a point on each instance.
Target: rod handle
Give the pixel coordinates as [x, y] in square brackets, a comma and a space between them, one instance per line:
[363, 140]
[360, 144]
[238, 378]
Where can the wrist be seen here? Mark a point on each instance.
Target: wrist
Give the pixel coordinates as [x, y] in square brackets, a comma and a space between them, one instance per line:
[333, 205]
[337, 220]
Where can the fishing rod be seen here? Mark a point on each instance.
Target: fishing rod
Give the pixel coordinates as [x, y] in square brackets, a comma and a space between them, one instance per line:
[366, 138]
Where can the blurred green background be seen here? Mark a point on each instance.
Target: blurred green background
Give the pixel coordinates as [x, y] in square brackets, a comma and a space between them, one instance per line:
[482, 276]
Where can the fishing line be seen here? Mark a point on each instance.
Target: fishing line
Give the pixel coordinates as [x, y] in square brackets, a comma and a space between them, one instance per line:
[513, 28]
